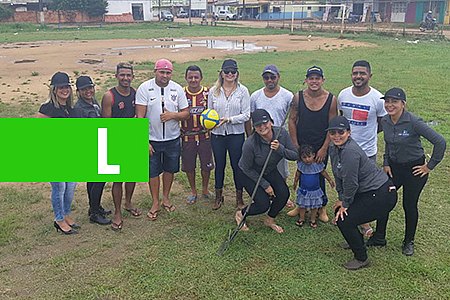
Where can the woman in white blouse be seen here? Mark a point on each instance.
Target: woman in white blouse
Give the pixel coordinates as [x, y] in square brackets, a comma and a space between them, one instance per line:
[231, 100]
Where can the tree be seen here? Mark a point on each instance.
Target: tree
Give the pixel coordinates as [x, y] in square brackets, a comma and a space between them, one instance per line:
[5, 12]
[94, 8]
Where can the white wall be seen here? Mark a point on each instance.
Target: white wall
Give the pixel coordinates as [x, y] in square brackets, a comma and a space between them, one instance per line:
[119, 7]
[198, 4]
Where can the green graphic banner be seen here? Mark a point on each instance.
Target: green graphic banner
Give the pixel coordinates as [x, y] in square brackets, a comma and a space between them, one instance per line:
[79, 150]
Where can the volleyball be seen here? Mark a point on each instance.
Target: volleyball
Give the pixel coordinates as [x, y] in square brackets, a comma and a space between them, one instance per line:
[209, 118]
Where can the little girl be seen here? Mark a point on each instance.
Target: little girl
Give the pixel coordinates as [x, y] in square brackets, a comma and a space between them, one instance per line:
[309, 194]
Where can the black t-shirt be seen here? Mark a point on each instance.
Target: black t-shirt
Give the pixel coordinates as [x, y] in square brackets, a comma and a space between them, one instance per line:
[51, 111]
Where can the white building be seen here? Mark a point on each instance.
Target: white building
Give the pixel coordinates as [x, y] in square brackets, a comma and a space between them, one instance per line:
[141, 10]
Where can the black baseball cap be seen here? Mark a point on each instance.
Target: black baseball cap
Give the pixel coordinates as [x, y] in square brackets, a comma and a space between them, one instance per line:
[260, 116]
[395, 93]
[229, 64]
[60, 79]
[314, 70]
[339, 122]
[84, 82]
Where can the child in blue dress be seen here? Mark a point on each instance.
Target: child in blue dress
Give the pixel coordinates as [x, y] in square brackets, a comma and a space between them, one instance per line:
[309, 194]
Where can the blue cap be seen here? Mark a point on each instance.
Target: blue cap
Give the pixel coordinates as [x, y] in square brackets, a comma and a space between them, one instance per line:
[272, 69]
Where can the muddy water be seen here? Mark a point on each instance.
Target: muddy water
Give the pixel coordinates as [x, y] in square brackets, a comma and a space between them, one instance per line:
[240, 45]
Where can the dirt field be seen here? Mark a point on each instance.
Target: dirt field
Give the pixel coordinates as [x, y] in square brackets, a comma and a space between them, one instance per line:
[27, 67]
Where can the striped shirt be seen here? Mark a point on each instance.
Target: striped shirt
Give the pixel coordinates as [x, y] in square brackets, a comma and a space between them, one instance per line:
[191, 130]
[236, 108]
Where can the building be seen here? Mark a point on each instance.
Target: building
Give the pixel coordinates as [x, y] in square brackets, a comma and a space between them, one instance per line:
[129, 11]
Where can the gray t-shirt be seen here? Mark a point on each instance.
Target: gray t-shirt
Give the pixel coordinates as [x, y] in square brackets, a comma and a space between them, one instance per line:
[277, 106]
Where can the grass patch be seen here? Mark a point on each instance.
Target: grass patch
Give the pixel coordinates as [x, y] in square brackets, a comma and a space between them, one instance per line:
[175, 257]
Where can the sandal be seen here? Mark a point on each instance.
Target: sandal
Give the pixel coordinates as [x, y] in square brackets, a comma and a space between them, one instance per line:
[169, 208]
[367, 232]
[152, 215]
[191, 199]
[135, 212]
[117, 227]
[208, 196]
[313, 225]
[300, 223]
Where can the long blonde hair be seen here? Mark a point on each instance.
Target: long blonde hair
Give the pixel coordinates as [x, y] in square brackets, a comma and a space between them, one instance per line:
[54, 100]
[219, 83]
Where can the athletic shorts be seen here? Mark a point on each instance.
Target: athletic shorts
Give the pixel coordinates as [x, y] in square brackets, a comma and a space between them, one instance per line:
[166, 157]
[189, 155]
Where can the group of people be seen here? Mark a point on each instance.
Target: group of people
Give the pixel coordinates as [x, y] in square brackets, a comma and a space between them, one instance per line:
[252, 131]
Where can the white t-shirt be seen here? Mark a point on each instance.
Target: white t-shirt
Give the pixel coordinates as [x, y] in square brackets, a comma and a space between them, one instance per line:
[277, 106]
[362, 113]
[153, 96]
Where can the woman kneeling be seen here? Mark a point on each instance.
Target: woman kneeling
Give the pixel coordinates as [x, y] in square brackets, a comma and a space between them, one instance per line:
[272, 192]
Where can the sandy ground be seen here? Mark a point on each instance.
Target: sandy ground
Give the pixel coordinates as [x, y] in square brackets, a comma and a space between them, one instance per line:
[28, 67]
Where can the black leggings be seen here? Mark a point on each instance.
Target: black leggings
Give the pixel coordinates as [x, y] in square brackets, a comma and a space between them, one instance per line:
[366, 207]
[95, 191]
[262, 201]
[412, 187]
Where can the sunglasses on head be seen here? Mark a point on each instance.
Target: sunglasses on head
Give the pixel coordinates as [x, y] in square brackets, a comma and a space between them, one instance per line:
[336, 131]
[228, 71]
[267, 77]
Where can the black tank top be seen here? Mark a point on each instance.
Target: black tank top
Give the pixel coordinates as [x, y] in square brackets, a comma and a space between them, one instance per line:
[123, 106]
[311, 125]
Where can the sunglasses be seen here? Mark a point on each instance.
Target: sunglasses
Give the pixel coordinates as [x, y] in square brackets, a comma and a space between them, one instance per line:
[228, 71]
[271, 77]
[337, 131]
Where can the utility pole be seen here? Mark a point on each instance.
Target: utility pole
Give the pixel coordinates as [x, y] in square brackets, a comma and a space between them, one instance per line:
[190, 8]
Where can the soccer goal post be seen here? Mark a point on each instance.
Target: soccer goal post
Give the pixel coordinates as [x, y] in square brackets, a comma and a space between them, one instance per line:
[342, 12]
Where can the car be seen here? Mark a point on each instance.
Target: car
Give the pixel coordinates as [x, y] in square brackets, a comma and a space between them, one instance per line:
[225, 15]
[166, 16]
[182, 14]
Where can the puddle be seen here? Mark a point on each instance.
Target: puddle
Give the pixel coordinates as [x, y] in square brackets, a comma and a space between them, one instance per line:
[209, 44]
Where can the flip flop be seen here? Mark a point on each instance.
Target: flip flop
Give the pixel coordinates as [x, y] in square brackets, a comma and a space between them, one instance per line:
[152, 215]
[135, 212]
[208, 196]
[169, 208]
[313, 225]
[191, 199]
[300, 223]
[117, 227]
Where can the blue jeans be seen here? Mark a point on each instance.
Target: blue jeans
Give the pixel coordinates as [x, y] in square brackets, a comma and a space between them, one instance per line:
[233, 145]
[62, 196]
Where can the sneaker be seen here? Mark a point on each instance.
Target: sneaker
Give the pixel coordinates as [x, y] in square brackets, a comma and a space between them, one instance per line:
[376, 242]
[101, 211]
[408, 248]
[104, 212]
[355, 264]
[99, 219]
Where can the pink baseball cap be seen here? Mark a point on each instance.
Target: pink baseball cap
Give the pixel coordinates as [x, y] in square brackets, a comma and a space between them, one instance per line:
[163, 64]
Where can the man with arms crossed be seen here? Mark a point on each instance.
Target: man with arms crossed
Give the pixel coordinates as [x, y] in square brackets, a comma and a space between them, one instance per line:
[195, 139]
[164, 103]
[118, 102]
